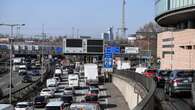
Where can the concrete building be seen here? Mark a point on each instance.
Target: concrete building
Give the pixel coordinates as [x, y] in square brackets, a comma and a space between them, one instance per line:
[110, 32]
[176, 48]
[105, 36]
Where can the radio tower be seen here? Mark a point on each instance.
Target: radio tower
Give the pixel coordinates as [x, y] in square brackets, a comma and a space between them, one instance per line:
[123, 28]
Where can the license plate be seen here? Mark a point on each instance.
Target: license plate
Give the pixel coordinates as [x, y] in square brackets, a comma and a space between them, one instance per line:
[185, 81]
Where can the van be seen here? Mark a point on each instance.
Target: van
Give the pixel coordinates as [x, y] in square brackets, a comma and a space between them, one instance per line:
[55, 105]
[6, 107]
[22, 70]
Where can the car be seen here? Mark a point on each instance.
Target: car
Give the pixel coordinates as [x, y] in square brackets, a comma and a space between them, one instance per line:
[94, 90]
[35, 72]
[24, 106]
[150, 73]
[40, 101]
[161, 77]
[85, 106]
[55, 105]
[91, 98]
[59, 93]
[179, 81]
[69, 91]
[27, 79]
[47, 92]
[6, 107]
[67, 99]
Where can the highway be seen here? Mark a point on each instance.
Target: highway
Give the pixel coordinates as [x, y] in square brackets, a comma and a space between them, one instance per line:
[179, 102]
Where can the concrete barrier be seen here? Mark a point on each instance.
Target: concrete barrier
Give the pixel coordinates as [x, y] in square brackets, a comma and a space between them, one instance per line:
[137, 90]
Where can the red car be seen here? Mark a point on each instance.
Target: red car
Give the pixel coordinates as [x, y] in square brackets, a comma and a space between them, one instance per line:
[150, 73]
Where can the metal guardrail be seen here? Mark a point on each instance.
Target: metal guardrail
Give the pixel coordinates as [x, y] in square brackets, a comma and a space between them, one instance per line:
[148, 102]
[20, 93]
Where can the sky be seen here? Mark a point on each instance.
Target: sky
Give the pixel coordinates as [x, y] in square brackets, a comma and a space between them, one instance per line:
[90, 17]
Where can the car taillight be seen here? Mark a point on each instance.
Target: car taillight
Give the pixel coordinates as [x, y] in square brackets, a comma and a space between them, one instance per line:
[159, 78]
[175, 82]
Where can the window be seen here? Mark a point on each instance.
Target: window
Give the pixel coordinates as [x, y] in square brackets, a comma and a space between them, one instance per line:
[189, 47]
[168, 39]
[167, 46]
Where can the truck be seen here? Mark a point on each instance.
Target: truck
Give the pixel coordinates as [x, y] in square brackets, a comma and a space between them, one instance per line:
[91, 72]
[73, 80]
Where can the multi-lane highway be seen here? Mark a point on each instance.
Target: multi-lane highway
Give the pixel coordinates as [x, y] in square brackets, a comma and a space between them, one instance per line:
[179, 102]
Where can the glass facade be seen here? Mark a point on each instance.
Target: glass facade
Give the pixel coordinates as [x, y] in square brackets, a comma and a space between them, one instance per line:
[162, 6]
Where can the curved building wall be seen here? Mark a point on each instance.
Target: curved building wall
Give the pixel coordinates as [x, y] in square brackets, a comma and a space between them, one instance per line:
[162, 6]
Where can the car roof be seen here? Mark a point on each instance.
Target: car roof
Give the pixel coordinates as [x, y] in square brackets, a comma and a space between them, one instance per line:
[55, 103]
[83, 104]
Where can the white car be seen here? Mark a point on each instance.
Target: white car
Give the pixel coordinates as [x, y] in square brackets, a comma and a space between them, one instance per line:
[47, 92]
[24, 106]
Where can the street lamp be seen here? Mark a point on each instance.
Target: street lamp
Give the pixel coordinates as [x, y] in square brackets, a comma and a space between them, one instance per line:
[11, 39]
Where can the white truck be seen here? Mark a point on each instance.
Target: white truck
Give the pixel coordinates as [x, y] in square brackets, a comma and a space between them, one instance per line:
[22, 69]
[91, 72]
[73, 80]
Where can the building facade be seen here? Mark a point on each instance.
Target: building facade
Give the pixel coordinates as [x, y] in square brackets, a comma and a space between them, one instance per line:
[176, 48]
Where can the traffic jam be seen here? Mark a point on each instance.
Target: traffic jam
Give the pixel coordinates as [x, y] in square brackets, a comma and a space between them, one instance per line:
[70, 87]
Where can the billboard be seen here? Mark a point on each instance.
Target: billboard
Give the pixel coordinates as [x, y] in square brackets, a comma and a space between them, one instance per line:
[132, 50]
[74, 43]
[95, 46]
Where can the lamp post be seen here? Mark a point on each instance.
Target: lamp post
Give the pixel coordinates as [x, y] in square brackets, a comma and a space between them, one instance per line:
[11, 40]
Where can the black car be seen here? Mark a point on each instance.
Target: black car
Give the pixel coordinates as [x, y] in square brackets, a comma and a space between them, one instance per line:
[161, 77]
[40, 101]
[67, 99]
[179, 81]
[27, 79]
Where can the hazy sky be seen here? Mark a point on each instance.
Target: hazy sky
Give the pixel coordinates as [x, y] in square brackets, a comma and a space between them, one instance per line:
[91, 17]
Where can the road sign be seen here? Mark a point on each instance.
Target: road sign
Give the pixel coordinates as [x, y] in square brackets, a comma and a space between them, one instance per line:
[113, 50]
[108, 60]
[132, 50]
[116, 50]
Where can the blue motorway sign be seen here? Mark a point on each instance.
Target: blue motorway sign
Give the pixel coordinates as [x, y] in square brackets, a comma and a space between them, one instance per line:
[58, 50]
[107, 60]
[113, 50]
[116, 50]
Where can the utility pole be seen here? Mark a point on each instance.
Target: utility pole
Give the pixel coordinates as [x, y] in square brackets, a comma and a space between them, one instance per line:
[42, 56]
[11, 44]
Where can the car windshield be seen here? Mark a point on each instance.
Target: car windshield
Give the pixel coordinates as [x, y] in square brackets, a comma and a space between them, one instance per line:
[151, 71]
[164, 73]
[53, 108]
[39, 99]
[21, 106]
[183, 74]
[94, 91]
[46, 90]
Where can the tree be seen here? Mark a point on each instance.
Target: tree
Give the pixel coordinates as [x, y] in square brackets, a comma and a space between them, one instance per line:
[151, 27]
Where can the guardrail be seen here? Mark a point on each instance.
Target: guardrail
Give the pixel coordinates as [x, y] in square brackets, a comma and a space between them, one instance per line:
[148, 102]
[22, 92]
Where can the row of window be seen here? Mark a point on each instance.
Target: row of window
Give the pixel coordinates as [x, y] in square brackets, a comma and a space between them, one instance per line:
[167, 52]
[162, 6]
[188, 47]
[167, 46]
[168, 39]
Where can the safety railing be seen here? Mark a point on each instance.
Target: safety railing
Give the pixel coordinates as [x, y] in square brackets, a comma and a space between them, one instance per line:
[148, 102]
[22, 91]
